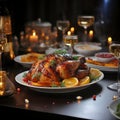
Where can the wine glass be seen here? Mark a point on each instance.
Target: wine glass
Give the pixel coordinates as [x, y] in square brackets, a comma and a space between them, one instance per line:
[63, 25]
[69, 42]
[3, 42]
[85, 22]
[115, 49]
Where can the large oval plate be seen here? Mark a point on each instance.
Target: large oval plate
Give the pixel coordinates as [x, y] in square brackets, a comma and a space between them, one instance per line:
[19, 79]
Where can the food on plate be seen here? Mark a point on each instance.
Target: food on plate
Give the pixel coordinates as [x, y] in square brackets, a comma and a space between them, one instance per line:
[70, 82]
[85, 80]
[32, 57]
[113, 63]
[57, 70]
[117, 111]
[94, 73]
[104, 56]
[87, 49]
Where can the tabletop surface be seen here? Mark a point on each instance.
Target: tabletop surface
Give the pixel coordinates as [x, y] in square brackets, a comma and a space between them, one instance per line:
[62, 104]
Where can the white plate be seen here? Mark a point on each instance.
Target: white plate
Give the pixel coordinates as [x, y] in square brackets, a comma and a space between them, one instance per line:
[25, 64]
[19, 80]
[102, 68]
[112, 108]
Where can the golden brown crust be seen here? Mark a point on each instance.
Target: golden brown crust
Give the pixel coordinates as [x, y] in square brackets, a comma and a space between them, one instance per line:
[53, 69]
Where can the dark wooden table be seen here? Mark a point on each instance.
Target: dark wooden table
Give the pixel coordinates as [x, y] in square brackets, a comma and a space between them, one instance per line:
[59, 106]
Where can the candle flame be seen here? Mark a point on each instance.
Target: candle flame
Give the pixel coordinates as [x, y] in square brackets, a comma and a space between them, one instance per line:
[72, 29]
[69, 33]
[109, 40]
[91, 32]
[34, 33]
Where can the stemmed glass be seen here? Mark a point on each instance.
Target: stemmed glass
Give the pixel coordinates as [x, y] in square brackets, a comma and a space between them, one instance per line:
[115, 49]
[3, 42]
[70, 41]
[63, 25]
[85, 22]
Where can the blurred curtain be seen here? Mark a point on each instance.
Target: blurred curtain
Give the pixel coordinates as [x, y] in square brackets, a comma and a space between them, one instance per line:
[50, 10]
[23, 11]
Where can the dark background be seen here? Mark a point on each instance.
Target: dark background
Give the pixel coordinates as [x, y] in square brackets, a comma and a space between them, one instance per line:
[23, 11]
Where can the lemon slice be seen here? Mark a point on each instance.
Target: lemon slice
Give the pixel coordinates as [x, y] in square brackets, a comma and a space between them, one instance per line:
[70, 82]
[84, 80]
[94, 73]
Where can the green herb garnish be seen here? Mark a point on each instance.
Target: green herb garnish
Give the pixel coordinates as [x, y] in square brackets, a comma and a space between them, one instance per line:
[62, 84]
[36, 75]
[41, 57]
[52, 62]
[24, 74]
[75, 57]
[117, 112]
[60, 52]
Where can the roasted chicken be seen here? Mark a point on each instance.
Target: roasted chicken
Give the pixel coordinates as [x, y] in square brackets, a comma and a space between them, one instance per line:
[54, 68]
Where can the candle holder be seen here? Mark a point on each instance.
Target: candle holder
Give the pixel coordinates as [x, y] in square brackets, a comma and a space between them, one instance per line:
[6, 86]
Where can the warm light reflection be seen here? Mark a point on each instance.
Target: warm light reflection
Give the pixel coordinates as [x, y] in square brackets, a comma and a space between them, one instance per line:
[47, 37]
[12, 55]
[2, 85]
[29, 49]
[43, 34]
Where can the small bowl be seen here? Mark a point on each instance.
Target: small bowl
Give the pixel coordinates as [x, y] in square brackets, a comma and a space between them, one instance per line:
[86, 49]
[104, 56]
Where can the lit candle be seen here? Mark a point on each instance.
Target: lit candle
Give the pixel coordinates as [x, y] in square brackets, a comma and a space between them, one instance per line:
[72, 29]
[68, 33]
[91, 34]
[109, 40]
[34, 37]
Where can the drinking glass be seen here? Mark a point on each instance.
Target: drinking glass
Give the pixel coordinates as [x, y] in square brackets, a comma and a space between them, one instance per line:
[3, 42]
[85, 22]
[69, 42]
[115, 49]
[63, 25]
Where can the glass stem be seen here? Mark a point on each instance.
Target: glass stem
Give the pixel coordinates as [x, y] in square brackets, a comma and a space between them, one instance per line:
[118, 78]
[85, 31]
[85, 39]
[70, 51]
